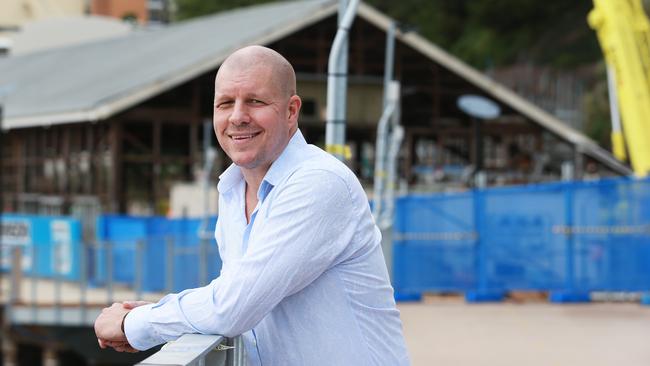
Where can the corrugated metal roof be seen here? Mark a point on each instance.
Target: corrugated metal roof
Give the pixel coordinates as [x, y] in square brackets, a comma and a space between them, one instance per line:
[66, 31]
[93, 81]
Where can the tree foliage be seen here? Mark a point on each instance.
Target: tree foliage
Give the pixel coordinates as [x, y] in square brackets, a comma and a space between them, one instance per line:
[500, 32]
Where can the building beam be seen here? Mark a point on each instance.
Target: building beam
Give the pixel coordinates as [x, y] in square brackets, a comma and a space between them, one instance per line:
[116, 181]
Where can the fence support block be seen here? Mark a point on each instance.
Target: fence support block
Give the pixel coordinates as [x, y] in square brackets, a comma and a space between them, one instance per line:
[484, 296]
[569, 297]
[407, 296]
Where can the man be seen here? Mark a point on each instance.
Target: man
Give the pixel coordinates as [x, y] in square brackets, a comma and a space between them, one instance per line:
[303, 278]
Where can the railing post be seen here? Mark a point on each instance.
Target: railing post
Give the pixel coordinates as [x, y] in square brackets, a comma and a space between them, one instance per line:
[138, 269]
[570, 294]
[484, 292]
[34, 284]
[16, 274]
[169, 264]
[83, 280]
[57, 281]
[108, 249]
[203, 260]
[238, 351]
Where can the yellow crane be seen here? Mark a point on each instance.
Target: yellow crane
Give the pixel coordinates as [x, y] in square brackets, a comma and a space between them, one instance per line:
[623, 29]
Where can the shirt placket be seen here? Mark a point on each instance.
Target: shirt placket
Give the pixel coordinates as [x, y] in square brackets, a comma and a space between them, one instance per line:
[250, 339]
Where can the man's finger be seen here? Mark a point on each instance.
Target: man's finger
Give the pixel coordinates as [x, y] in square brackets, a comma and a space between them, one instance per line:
[134, 304]
[125, 348]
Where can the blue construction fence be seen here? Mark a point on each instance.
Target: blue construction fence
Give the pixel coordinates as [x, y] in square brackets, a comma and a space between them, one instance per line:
[150, 253]
[569, 238]
[50, 245]
[155, 253]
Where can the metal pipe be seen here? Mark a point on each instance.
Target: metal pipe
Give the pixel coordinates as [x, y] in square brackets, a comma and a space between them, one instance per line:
[34, 285]
[108, 247]
[380, 151]
[239, 351]
[618, 142]
[341, 85]
[389, 98]
[385, 220]
[139, 246]
[389, 60]
[204, 232]
[83, 281]
[169, 259]
[336, 83]
[16, 274]
[393, 154]
[380, 175]
[57, 280]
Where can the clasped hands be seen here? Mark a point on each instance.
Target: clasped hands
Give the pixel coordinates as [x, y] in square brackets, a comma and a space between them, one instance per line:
[108, 326]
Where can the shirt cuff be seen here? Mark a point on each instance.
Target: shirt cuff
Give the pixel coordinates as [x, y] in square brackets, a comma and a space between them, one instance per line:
[138, 330]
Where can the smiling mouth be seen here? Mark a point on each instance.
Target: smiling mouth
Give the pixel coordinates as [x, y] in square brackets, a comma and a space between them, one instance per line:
[244, 137]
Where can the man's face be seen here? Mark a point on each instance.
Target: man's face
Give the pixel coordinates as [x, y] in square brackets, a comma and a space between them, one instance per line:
[253, 116]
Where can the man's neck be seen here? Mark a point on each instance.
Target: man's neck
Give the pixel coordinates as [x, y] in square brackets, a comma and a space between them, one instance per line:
[253, 179]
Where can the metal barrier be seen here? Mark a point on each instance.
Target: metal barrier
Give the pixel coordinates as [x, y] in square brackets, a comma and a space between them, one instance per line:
[42, 296]
[38, 289]
[568, 238]
[199, 350]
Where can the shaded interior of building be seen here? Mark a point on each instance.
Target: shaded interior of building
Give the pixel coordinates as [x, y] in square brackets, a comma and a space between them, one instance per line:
[128, 162]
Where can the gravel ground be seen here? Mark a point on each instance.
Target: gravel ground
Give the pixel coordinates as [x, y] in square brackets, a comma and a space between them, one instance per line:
[452, 333]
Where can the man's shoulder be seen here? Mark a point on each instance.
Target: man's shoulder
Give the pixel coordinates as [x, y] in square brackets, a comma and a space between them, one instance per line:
[318, 161]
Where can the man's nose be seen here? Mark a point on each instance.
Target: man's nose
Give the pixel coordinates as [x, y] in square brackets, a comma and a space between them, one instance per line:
[239, 114]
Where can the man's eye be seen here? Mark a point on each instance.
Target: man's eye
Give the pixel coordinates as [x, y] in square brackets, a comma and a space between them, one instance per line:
[256, 101]
[225, 104]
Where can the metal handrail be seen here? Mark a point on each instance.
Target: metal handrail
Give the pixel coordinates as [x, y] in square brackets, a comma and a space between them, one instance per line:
[34, 286]
[199, 349]
[189, 349]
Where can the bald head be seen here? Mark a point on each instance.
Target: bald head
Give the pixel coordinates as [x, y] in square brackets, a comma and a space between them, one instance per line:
[251, 57]
[256, 109]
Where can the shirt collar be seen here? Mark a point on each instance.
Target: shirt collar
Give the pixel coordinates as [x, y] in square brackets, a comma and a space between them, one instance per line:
[283, 165]
[287, 161]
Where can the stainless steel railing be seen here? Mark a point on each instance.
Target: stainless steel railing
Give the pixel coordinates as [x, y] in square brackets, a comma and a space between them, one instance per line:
[32, 295]
[199, 350]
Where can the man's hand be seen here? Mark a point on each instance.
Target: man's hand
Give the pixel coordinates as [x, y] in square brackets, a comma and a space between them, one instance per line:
[117, 345]
[108, 325]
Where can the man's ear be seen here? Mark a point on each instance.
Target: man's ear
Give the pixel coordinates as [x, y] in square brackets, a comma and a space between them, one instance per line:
[294, 109]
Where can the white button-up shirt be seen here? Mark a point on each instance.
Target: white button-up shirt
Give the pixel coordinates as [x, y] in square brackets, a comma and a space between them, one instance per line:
[305, 281]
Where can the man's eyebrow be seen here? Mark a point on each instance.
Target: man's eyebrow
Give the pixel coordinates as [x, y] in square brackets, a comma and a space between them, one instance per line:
[220, 96]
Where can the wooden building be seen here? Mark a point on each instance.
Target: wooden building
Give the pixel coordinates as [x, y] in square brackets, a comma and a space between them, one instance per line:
[113, 124]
